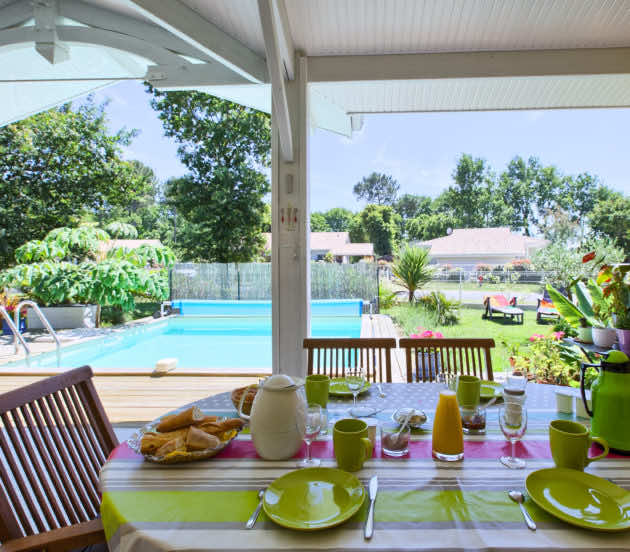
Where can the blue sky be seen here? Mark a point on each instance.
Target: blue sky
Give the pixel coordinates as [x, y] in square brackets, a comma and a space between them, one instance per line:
[420, 150]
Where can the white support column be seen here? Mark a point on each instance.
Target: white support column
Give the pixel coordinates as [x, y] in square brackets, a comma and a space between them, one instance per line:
[291, 274]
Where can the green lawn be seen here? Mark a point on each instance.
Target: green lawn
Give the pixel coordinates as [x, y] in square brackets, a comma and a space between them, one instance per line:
[408, 318]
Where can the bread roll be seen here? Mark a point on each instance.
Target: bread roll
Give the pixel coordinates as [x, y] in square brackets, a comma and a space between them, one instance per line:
[212, 428]
[181, 419]
[200, 440]
[171, 446]
[152, 440]
[206, 419]
[232, 423]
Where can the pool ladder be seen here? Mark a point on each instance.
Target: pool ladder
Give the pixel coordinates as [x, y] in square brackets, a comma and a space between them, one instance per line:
[16, 334]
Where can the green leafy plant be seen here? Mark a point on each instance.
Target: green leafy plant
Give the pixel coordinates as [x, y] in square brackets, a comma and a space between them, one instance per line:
[549, 360]
[64, 268]
[124, 230]
[411, 269]
[446, 310]
[615, 286]
[386, 297]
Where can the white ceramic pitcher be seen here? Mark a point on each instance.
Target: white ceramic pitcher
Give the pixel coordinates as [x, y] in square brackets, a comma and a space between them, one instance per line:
[278, 417]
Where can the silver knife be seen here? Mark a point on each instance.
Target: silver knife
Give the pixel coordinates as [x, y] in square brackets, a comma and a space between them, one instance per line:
[369, 524]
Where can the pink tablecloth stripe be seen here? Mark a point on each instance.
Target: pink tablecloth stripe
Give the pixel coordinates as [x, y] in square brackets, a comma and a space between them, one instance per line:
[421, 449]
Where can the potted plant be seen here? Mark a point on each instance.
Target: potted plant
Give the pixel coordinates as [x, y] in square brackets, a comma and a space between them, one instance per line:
[10, 302]
[513, 349]
[615, 285]
[593, 310]
[70, 276]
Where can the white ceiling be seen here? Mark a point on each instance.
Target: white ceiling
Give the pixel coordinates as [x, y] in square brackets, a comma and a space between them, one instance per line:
[360, 27]
[356, 27]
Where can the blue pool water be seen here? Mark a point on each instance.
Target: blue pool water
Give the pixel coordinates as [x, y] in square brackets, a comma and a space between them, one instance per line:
[216, 342]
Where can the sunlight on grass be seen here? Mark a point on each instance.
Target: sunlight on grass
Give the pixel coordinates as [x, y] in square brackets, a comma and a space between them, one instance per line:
[408, 318]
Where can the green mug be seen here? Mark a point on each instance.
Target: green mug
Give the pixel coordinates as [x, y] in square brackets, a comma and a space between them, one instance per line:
[468, 391]
[570, 442]
[317, 389]
[351, 444]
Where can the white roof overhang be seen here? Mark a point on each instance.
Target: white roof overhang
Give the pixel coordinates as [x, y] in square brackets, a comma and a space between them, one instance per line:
[364, 57]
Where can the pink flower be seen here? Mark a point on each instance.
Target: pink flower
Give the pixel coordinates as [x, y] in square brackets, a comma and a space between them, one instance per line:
[558, 335]
[438, 335]
[427, 334]
[415, 336]
[536, 337]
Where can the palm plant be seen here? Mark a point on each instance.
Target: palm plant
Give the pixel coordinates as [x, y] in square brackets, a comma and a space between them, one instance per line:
[412, 270]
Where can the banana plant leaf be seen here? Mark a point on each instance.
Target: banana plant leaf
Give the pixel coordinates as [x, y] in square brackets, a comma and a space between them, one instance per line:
[568, 310]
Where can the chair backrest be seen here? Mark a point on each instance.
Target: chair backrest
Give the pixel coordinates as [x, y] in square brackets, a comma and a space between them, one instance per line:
[54, 439]
[498, 300]
[334, 356]
[425, 358]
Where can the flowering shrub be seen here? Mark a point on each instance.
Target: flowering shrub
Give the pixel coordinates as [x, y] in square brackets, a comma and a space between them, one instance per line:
[549, 360]
[482, 267]
[421, 333]
[521, 265]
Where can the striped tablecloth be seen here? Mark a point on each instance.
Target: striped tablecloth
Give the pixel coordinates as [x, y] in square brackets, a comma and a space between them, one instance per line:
[422, 504]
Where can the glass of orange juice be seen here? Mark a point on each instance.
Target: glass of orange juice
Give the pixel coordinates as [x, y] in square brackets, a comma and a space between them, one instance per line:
[448, 437]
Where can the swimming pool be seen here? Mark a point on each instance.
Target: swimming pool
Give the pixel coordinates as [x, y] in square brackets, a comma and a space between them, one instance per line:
[233, 343]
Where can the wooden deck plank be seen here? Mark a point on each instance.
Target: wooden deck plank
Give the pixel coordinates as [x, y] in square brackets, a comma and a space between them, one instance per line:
[142, 398]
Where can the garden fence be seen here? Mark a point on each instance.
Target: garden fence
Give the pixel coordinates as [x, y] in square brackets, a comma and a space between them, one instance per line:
[252, 281]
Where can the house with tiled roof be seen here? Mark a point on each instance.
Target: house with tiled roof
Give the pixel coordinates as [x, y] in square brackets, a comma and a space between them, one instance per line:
[336, 243]
[468, 247]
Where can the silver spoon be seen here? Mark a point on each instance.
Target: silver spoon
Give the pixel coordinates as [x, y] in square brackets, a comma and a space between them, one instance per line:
[252, 519]
[518, 497]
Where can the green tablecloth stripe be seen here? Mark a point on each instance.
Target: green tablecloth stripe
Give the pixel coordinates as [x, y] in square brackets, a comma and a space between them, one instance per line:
[121, 507]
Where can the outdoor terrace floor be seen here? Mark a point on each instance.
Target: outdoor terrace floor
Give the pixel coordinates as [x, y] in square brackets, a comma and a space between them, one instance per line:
[131, 398]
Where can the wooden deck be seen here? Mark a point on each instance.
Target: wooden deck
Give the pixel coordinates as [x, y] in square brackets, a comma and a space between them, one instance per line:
[132, 398]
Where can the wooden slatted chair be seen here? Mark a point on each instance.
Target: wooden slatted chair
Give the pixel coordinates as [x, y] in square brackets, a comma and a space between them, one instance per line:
[425, 358]
[54, 439]
[334, 356]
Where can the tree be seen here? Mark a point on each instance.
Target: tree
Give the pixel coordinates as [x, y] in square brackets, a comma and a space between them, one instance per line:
[377, 224]
[379, 189]
[581, 193]
[225, 147]
[558, 226]
[428, 227]
[57, 166]
[410, 206]
[411, 269]
[467, 196]
[610, 218]
[319, 223]
[517, 186]
[563, 263]
[338, 219]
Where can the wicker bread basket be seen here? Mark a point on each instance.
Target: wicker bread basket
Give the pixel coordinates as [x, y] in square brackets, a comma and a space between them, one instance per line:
[250, 391]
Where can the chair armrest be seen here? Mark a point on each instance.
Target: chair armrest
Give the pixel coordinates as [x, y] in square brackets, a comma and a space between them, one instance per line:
[513, 301]
[58, 540]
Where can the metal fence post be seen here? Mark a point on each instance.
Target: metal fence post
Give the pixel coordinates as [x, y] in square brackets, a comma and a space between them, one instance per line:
[378, 291]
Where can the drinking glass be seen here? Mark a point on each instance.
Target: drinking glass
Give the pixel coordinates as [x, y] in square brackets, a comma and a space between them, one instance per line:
[311, 431]
[355, 380]
[513, 422]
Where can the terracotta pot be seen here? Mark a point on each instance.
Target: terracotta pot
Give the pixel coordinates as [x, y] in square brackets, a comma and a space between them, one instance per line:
[604, 337]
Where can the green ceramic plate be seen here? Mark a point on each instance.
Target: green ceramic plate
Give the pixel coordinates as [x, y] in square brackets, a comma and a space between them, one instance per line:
[339, 387]
[580, 498]
[489, 390]
[313, 498]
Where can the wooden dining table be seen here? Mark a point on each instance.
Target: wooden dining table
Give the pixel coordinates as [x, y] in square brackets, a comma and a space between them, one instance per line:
[423, 504]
